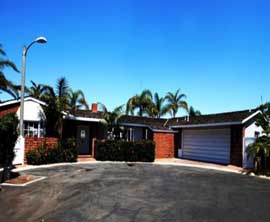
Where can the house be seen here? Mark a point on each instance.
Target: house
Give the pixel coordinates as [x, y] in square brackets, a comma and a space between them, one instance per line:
[219, 138]
[34, 117]
[84, 126]
[34, 122]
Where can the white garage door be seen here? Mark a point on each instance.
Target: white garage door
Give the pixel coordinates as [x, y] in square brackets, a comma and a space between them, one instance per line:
[212, 145]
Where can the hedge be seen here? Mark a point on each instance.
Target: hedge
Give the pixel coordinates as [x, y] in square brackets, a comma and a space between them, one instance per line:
[65, 151]
[141, 151]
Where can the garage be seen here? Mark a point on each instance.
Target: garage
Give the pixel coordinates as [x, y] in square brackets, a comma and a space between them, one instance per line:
[210, 145]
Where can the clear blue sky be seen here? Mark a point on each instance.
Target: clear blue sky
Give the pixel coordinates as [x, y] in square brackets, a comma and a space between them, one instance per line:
[216, 51]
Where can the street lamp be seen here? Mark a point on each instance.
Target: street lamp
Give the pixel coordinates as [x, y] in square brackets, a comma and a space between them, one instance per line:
[24, 53]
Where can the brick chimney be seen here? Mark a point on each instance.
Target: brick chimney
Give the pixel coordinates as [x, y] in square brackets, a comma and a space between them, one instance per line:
[94, 107]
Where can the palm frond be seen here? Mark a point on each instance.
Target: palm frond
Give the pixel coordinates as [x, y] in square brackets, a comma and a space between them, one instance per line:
[8, 64]
[2, 52]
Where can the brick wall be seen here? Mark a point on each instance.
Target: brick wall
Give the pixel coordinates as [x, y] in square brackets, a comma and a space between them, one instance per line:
[9, 109]
[32, 143]
[237, 134]
[164, 145]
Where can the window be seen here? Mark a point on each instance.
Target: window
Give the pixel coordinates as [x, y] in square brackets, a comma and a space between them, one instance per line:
[34, 129]
[256, 134]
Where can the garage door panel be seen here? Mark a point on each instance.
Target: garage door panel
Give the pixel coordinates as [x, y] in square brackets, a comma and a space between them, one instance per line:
[207, 145]
[206, 151]
[209, 159]
[205, 155]
[206, 148]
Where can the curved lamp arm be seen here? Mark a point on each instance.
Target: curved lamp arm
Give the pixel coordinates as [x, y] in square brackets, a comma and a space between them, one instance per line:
[41, 40]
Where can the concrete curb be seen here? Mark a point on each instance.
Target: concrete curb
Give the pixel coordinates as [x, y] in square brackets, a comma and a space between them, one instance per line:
[24, 184]
[31, 167]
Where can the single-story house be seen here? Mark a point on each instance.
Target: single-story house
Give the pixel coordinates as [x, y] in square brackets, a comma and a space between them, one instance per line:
[219, 138]
[84, 126]
[34, 116]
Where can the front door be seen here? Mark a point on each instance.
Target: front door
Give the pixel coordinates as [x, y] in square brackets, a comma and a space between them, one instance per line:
[83, 140]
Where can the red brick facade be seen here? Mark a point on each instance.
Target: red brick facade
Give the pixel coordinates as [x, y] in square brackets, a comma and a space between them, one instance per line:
[8, 109]
[164, 145]
[32, 143]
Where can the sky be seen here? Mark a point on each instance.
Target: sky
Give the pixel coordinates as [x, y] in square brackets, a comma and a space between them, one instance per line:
[216, 51]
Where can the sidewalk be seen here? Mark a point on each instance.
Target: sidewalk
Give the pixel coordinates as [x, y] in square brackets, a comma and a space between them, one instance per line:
[192, 163]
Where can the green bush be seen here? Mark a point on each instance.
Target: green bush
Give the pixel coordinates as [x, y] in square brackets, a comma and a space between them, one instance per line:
[260, 149]
[117, 150]
[8, 138]
[8, 135]
[65, 151]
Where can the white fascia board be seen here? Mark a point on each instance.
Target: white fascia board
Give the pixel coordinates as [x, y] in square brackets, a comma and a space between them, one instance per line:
[134, 124]
[35, 100]
[10, 102]
[251, 116]
[26, 99]
[163, 131]
[85, 119]
[207, 125]
[149, 127]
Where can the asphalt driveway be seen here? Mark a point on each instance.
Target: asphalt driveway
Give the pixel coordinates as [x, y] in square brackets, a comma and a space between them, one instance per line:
[143, 192]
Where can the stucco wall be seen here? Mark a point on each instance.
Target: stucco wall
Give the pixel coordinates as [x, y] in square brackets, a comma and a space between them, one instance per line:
[32, 111]
[251, 129]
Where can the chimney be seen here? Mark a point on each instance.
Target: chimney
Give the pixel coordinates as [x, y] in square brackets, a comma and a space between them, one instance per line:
[94, 107]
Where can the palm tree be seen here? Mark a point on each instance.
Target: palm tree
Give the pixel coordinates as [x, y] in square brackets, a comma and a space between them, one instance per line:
[6, 85]
[57, 101]
[157, 108]
[76, 100]
[36, 90]
[140, 102]
[193, 112]
[111, 119]
[175, 102]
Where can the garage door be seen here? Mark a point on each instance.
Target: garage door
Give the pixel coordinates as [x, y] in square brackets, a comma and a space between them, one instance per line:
[211, 145]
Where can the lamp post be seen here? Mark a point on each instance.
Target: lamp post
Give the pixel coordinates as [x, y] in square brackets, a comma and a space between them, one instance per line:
[24, 53]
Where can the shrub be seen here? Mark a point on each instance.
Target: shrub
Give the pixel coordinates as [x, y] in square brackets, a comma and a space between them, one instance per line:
[116, 150]
[65, 151]
[8, 137]
[261, 152]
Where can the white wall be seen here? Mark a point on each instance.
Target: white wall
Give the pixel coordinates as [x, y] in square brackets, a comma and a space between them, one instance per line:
[19, 151]
[251, 129]
[32, 111]
[248, 139]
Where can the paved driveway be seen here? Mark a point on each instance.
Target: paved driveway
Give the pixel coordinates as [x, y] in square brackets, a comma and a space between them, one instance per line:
[118, 192]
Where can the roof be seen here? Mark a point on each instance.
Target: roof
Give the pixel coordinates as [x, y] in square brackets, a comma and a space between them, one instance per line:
[14, 101]
[229, 118]
[155, 124]
[219, 119]
[85, 115]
